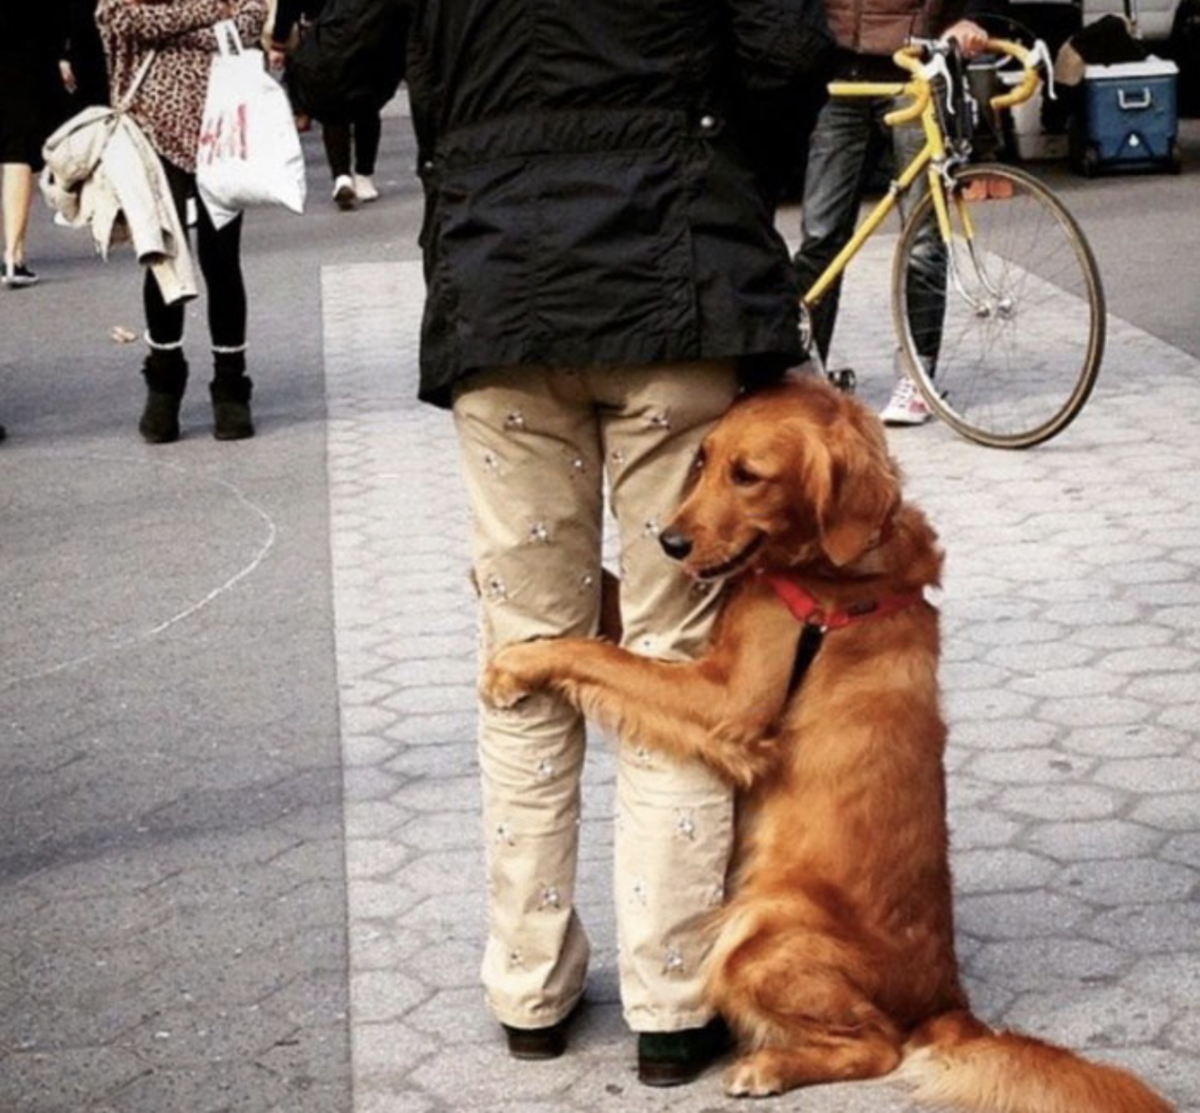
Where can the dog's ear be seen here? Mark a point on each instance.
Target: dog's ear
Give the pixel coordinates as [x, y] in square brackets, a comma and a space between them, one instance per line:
[862, 489]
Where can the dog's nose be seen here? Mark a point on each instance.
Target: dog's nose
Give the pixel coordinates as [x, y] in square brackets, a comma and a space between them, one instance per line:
[675, 544]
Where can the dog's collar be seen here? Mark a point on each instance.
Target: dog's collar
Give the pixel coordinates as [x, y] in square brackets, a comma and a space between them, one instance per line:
[808, 610]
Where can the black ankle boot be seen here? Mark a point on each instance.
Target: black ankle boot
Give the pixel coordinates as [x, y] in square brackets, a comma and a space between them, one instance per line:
[166, 375]
[231, 407]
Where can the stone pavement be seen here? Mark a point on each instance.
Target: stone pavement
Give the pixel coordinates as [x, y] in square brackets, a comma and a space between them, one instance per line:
[240, 862]
[1071, 627]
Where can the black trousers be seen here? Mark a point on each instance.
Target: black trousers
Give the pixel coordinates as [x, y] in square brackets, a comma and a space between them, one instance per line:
[220, 257]
[363, 132]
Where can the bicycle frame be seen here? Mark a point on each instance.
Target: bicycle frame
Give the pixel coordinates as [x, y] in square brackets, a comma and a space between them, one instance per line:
[930, 159]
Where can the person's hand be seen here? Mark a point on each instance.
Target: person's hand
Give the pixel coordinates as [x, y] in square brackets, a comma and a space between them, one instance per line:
[67, 73]
[276, 57]
[971, 37]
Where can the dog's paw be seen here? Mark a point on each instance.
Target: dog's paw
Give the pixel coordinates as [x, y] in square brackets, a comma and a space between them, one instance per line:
[745, 761]
[501, 689]
[752, 1077]
[762, 754]
[513, 674]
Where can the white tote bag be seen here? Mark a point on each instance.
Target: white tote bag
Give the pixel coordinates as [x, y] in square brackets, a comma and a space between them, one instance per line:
[249, 151]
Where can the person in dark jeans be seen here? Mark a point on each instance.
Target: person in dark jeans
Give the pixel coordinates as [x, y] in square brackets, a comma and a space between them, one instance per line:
[169, 107]
[351, 139]
[845, 147]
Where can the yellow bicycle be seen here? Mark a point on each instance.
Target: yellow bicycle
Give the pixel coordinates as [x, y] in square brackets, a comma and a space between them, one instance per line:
[996, 297]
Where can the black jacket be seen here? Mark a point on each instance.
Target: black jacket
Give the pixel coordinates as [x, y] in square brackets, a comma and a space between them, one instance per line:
[350, 58]
[596, 179]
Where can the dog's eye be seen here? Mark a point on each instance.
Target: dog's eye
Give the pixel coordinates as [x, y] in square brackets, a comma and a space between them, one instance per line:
[742, 476]
[698, 462]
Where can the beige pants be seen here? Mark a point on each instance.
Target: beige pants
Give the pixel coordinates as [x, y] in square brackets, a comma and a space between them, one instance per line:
[536, 446]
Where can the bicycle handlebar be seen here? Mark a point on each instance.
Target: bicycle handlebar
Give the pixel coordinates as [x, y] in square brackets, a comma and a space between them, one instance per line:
[1029, 83]
[911, 57]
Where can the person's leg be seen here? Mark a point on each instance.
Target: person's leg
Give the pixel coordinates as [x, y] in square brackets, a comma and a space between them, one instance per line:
[219, 252]
[674, 820]
[532, 465]
[165, 369]
[367, 130]
[336, 137]
[926, 287]
[16, 199]
[838, 162]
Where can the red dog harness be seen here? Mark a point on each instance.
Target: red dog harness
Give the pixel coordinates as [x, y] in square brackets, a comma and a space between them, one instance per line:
[808, 610]
[816, 622]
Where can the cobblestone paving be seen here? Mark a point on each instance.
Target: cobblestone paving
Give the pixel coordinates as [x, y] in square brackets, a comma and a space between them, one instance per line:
[1072, 635]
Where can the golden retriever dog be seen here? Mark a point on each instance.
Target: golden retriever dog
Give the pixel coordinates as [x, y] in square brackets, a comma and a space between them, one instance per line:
[834, 958]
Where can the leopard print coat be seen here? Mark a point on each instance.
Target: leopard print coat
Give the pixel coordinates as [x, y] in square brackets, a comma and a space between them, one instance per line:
[169, 105]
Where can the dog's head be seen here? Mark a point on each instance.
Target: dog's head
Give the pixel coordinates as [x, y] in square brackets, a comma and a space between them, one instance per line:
[795, 474]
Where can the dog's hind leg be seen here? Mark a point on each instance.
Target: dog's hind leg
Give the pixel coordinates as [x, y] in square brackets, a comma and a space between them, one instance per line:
[827, 1058]
[797, 999]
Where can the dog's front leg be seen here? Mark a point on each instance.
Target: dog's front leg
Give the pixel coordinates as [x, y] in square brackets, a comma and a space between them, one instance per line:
[719, 708]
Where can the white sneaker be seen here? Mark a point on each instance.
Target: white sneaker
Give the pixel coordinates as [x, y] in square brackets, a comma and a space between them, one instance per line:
[364, 186]
[906, 406]
[344, 194]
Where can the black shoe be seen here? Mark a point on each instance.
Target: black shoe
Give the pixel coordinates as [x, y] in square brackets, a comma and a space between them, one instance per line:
[16, 275]
[165, 373]
[231, 408]
[539, 1043]
[673, 1058]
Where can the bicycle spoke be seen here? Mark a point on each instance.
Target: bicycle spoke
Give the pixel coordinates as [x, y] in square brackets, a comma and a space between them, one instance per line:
[1007, 334]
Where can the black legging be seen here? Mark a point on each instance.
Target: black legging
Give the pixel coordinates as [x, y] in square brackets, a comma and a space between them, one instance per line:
[219, 255]
[365, 130]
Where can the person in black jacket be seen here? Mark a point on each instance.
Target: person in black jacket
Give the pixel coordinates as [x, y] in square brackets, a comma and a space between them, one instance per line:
[603, 276]
[351, 130]
[84, 71]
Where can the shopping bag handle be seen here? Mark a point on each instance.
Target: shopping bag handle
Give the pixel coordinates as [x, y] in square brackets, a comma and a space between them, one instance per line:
[229, 41]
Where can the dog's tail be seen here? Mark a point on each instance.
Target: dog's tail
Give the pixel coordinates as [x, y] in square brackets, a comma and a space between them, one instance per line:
[957, 1060]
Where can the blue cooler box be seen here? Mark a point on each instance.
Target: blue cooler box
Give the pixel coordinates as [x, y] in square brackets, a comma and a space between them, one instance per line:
[1131, 116]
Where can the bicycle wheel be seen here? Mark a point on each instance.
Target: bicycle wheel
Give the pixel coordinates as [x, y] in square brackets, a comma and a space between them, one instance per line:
[1004, 331]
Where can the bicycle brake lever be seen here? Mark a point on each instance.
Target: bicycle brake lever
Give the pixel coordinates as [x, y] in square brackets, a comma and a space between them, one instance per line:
[1040, 55]
[937, 66]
